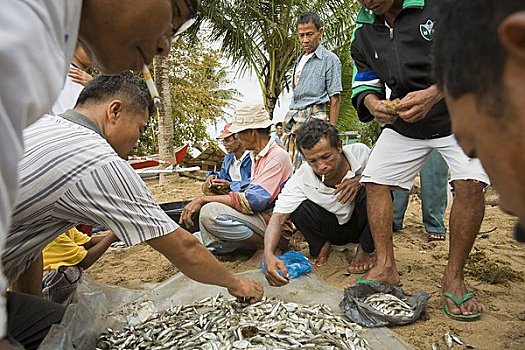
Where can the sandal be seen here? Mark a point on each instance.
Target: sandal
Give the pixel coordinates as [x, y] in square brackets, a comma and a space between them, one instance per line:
[458, 302]
[435, 236]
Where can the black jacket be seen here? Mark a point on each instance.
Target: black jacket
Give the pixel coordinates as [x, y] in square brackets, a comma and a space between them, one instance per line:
[400, 57]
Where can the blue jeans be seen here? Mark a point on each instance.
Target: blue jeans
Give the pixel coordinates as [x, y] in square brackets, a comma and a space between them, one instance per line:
[434, 181]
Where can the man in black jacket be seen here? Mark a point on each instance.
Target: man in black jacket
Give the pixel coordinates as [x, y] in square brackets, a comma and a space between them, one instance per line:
[391, 48]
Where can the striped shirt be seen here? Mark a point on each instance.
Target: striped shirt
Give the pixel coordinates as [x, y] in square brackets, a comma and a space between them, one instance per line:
[319, 80]
[71, 175]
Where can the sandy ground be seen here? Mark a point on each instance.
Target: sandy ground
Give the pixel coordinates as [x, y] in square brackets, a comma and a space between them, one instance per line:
[495, 273]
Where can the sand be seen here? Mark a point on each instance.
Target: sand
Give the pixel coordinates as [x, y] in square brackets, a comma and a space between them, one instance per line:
[495, 273]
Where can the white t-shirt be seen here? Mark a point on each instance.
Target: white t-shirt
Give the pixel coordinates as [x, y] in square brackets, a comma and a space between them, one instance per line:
[235, 167]
[37, 42]
[304, 184]
[68, 96]
[300, 66]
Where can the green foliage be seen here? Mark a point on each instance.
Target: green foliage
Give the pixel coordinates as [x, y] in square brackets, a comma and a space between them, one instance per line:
[260, 34]
[196, 78]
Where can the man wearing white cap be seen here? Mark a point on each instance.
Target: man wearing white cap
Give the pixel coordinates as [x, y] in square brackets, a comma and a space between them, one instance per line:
[236, 168]
[238, 220]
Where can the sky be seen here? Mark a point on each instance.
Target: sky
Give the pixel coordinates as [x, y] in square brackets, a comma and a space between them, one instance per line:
[249, 87]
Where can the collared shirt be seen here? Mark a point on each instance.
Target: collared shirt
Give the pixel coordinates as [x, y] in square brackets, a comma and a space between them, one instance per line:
[237, 171]
[235, 167]
[38, 41]
[71, 175]
[305, 184]
[271, 168]
[319, 80]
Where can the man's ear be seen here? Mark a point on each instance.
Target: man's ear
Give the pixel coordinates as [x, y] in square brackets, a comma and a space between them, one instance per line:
[512, 34]
[114, 110]
[321, 31]
[340, 146]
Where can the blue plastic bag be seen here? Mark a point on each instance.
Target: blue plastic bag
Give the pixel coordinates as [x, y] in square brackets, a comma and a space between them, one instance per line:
[296, 263]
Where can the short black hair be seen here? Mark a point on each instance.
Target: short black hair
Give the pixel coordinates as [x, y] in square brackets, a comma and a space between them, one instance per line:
[279, 124]
[131, 89]
[312, 131]
[309, 17]
[468, 56]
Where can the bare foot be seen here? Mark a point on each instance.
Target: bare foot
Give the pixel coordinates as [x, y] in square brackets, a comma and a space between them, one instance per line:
[320, 259]
[386, 275]
[457, 288]
[362, 261]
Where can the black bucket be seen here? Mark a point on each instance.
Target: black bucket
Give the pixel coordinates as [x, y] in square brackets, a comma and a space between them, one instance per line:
[175, 209]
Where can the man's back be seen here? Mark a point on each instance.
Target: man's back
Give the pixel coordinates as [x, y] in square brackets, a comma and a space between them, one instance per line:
[70, 175]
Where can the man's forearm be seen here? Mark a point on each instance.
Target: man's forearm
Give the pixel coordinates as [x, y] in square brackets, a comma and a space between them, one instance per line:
[273, 232]
[224, 199]
[335, 104]
[96, 250]
[193, 259]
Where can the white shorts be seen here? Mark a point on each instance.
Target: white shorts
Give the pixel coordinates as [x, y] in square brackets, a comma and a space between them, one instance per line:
[396, 159]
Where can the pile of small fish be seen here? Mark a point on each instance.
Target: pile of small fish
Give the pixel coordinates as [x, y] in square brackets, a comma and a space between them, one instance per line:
[216, 323]
[389, 304]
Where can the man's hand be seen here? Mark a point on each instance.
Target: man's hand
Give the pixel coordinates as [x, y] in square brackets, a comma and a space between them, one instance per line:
[415, 105]
[273, 266]
[381, 112]
[247, 290]
[221, 184]
[347, 190]
[191, 209]
[79, 76]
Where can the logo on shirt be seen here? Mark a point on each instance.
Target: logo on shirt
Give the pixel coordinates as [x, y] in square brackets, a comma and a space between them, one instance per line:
[427, 30]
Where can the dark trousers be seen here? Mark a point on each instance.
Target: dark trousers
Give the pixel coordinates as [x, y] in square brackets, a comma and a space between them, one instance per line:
[29, 318]
[318, 225]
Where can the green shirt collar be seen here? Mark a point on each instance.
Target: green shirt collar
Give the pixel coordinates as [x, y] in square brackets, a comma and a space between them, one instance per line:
[368, 17]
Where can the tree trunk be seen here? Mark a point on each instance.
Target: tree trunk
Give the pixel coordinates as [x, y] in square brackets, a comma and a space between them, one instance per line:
[166, 133]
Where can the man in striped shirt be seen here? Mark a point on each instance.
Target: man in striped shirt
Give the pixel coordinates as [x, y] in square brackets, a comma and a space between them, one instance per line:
[74, 171]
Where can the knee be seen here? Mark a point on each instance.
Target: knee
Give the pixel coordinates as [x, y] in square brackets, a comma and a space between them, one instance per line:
[208, 215]
[469, 189]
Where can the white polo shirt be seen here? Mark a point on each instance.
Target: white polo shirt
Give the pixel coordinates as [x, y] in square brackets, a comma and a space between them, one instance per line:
[304, 184]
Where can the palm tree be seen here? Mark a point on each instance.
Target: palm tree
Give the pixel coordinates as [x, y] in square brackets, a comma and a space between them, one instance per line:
[165, 118]
[260, 35]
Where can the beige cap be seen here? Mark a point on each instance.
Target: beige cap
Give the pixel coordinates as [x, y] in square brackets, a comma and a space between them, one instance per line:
[250, 115]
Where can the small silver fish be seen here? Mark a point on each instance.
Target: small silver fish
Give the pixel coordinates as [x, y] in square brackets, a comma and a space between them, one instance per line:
[448, 339]
[435, 346]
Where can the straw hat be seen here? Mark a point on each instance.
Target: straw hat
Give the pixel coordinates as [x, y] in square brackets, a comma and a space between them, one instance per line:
[250, 115]
[225, 133]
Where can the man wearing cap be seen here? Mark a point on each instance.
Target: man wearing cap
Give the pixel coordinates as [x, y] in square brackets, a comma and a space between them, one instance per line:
[236, 169]
[238, 220]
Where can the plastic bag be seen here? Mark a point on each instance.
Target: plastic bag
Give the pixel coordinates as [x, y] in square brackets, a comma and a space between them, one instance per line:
[357, 311]
[296, 263]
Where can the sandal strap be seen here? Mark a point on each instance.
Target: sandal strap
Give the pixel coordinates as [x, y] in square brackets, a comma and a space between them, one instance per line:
[459, 301]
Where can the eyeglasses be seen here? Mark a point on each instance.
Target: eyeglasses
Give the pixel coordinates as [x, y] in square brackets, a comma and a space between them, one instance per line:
[228, 139]
[176, 32]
